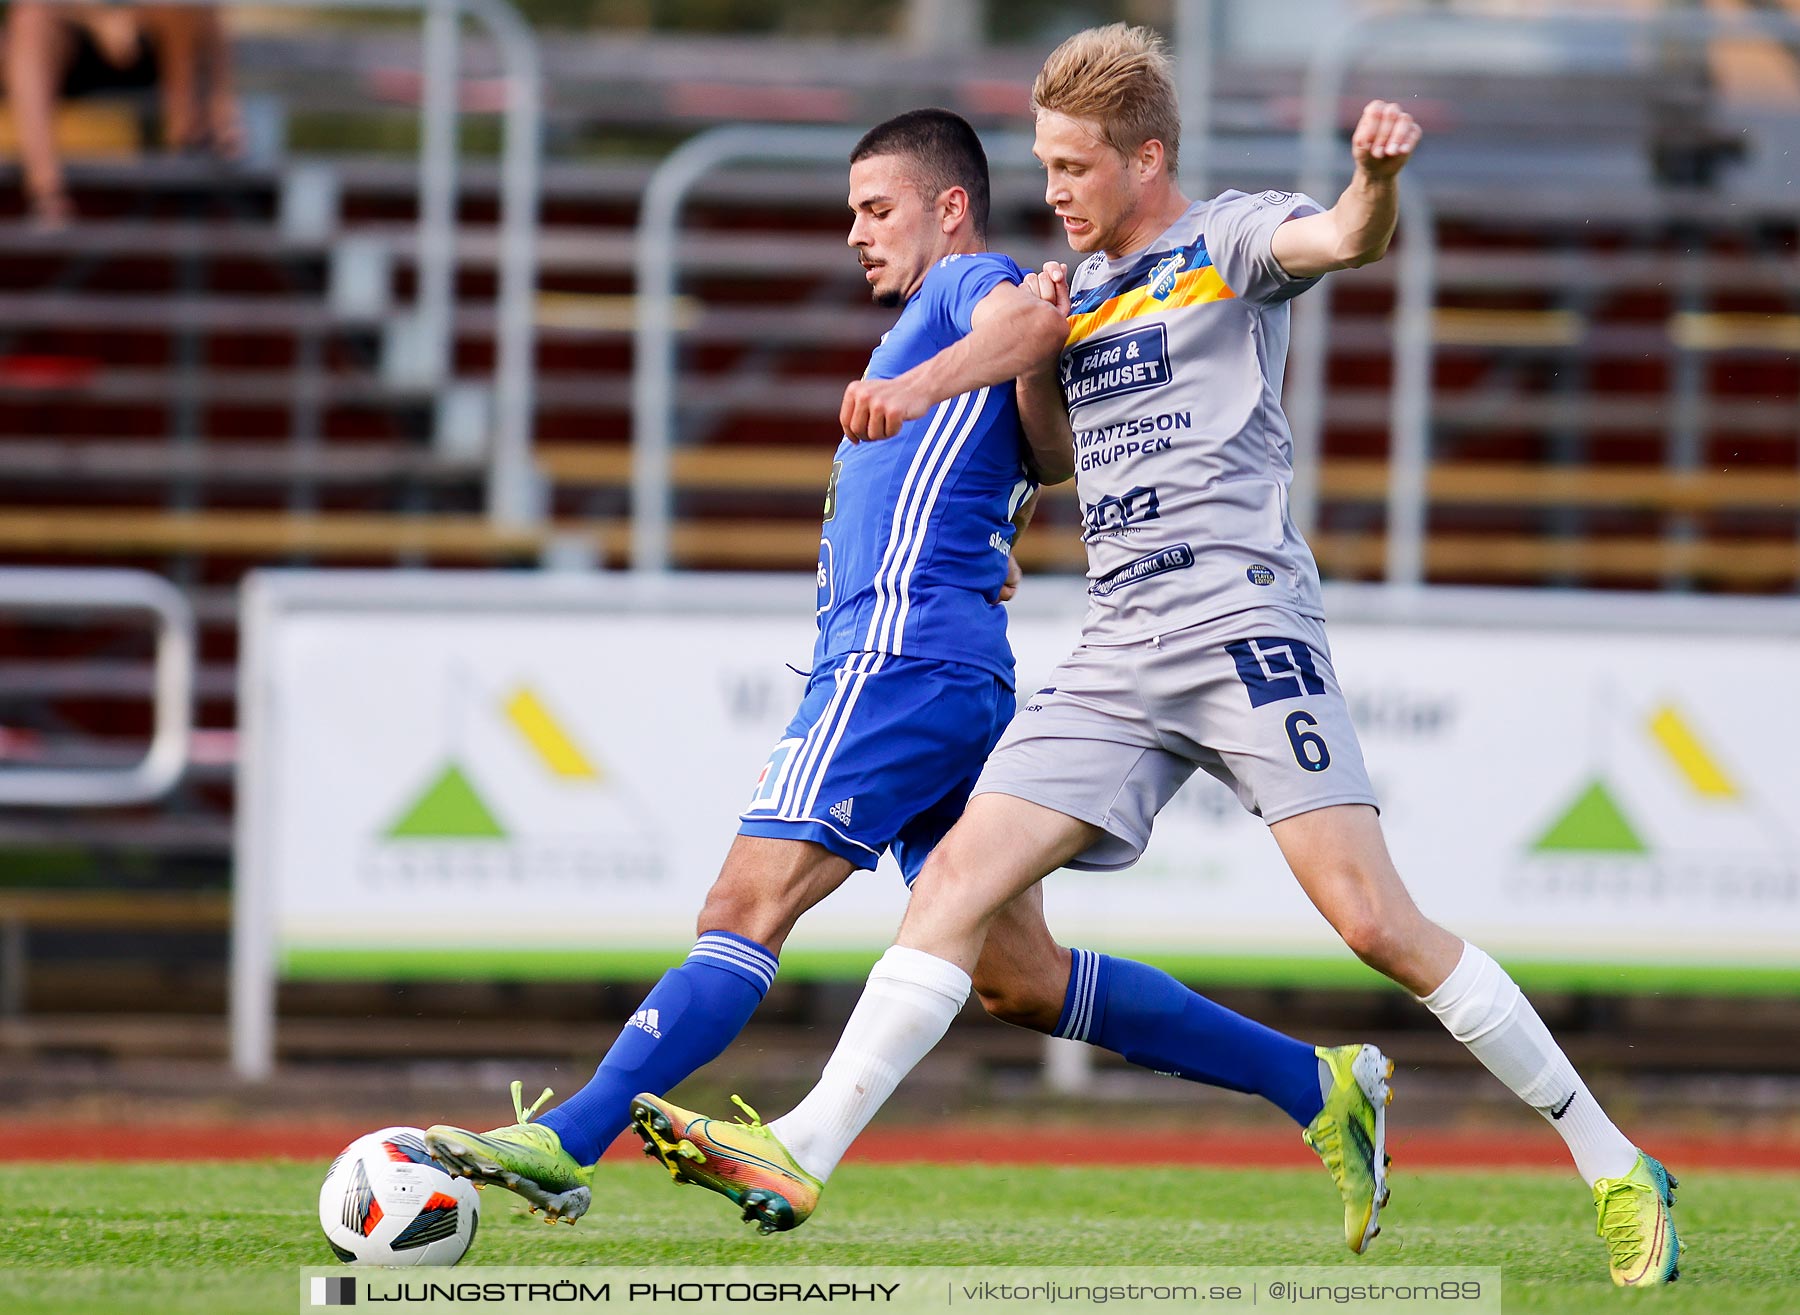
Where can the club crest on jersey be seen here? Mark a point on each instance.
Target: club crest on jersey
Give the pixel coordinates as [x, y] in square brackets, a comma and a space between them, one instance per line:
[1162, 278]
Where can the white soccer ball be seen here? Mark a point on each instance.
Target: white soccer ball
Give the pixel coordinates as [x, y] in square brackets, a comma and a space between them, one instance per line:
[385, 1201]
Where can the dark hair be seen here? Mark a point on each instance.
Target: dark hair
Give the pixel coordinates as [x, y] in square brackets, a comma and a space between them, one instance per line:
[945, 151]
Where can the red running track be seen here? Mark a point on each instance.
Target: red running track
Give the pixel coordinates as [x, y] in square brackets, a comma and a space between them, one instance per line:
[1252, 1149]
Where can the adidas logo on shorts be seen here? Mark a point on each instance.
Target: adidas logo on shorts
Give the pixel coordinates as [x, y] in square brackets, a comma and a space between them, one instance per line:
[841, 810]
[648, 1021]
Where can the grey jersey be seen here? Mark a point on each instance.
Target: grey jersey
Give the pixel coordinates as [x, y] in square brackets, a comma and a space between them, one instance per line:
[1172, 374]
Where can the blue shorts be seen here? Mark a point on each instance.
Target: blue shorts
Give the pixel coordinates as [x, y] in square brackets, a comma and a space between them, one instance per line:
[881, 755]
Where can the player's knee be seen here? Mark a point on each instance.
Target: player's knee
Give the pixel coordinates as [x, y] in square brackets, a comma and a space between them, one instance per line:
[937, 881]
[724, 910]
[753, 912]
[1372, 936]
[1017, 999]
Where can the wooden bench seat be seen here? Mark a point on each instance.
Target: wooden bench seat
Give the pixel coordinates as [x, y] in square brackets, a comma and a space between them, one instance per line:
[790, 542]
[84, 130]
[25, 911]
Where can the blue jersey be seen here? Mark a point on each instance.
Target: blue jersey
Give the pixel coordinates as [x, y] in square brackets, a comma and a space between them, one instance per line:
[918, 527]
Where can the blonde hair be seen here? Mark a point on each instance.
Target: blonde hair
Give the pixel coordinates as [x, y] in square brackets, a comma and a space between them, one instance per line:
[1119, 79]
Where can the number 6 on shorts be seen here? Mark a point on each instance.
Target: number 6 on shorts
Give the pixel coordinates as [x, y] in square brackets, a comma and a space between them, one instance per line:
[1309, 746]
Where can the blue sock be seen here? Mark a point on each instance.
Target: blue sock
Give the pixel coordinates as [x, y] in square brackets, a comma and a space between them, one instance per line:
[685, 1023]
[1151, 1019]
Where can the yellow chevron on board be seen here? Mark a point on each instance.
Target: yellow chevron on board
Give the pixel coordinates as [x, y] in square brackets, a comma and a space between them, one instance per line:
[560, 754]
[1191, 289]
[1690, 757]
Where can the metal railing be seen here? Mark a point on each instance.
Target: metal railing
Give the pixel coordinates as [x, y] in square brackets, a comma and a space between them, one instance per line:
[658, 267]
[1409, 422]
[91, 594]
[514, 495]
[1323, 162]
[1196, 24]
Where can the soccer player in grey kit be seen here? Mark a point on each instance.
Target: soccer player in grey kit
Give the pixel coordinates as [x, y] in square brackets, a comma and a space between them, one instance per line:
[1204, 645]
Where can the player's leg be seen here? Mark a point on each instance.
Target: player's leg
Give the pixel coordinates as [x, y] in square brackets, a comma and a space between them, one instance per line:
[1025, 978]
[1249, 710]
[1341, 860]
[1151, 1019]
[782, 863]
[699, 1007]
[964, 860]
[908, 751]
[1000, 848]
[689, 1017]
[1342, 863]
[1079, 774]
[776, 1172]
[1089, 747]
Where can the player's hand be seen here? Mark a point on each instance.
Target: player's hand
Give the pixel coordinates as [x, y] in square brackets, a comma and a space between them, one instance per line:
[1384, 139]
[1013, 576]
[1051, 284]
[876, 408]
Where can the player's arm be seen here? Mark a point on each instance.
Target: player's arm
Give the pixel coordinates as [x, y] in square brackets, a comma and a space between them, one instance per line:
[1356, 231]
[1043, 411]
[1013, 332]
[1021, 518]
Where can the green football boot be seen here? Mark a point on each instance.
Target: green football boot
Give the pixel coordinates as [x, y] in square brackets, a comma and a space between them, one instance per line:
[1634, 1221]
[523, 1157]
[1350, 1135]
[741, 1161]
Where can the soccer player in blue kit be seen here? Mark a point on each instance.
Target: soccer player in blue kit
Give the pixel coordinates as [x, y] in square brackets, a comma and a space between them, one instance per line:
[1204, 647]
[912, 684]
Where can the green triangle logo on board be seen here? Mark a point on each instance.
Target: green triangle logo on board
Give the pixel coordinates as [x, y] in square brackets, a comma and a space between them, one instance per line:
[449, 809]
[1593, 824]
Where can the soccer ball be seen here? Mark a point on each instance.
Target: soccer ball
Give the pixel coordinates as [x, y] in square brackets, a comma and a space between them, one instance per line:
[385, 1201]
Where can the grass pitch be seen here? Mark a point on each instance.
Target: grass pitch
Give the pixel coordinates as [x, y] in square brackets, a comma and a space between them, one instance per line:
[231, 1237]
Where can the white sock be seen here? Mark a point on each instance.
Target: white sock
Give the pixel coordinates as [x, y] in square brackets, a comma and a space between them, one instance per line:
[905, 1010]
[1485, 1010]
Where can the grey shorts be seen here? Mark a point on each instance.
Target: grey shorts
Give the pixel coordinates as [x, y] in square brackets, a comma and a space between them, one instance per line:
[1251, 697]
